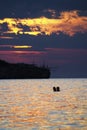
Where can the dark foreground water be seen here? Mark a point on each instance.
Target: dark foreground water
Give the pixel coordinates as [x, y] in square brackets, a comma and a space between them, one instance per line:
[32, 104]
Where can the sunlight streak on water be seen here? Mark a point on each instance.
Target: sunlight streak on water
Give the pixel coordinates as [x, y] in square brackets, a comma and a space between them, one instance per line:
[32, 104]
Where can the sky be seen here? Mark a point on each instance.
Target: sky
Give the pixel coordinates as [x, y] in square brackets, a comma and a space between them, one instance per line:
[45, 32]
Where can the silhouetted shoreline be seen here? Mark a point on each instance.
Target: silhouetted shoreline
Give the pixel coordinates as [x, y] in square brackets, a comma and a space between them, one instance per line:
[22, 71]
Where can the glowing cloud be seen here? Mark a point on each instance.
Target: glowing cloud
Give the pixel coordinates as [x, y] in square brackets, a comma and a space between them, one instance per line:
[69, 22]
[16, 46]
[25, 47]
[5, 37]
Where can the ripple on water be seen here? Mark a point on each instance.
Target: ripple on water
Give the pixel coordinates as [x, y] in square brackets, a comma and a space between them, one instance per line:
[32, 105]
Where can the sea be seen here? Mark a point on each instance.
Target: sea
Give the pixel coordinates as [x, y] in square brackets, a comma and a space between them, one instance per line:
[31, 104]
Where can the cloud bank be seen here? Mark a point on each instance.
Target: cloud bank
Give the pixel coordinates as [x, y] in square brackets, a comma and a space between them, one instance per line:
[69, 23]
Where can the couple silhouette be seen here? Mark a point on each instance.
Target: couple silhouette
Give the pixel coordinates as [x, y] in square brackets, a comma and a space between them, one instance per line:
[56, 89]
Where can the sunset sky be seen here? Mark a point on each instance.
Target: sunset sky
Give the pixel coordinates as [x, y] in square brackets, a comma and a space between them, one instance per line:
[50, 32]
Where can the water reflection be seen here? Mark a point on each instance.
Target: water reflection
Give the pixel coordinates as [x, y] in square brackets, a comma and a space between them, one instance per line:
[38, 108]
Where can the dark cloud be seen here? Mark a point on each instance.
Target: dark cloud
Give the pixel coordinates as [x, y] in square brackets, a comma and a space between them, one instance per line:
[34, 8]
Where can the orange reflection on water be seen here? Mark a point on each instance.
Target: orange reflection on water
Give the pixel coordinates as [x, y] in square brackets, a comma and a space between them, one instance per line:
[32, 104]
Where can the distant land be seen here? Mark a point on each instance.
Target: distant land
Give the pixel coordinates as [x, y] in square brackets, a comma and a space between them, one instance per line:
[23, 71]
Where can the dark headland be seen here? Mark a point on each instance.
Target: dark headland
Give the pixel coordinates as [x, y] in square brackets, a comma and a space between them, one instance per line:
[22, 71]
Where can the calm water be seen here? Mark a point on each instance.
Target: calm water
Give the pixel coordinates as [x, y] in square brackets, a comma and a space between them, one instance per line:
[32, 104]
